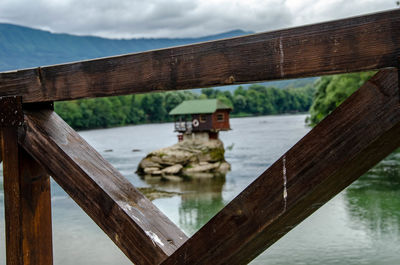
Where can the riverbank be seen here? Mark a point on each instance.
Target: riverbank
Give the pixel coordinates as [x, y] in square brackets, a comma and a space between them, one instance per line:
[147, 108]
[236, 116]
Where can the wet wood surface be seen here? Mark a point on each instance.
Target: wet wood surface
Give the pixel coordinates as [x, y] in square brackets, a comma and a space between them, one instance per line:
[27, 201]
[348, 45]
[36, 212]
[135, 225]
[12, 196]
[358, 134]
[1, 155]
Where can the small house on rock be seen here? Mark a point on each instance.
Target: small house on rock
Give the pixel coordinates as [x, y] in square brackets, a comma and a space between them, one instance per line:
[201, 119]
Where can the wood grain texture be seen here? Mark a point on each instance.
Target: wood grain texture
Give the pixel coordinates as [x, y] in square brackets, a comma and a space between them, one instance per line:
[12, 196]
[1, 155]
[135, 225]
[27, 206]
[36, 212]
[358, 134]
[354, 44]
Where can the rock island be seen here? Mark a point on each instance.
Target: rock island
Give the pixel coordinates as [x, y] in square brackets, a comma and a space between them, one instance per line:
[199, 152]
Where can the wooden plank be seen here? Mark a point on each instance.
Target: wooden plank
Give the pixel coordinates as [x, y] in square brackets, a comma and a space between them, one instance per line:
[361, 132]
[27, 201]
[354, 44]
[37, 243]
[1, 157]
[12, 192]
[135, 225]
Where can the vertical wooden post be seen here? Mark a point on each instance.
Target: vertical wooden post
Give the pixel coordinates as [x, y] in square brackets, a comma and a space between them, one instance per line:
[35, 198]
[26, 195]
[12, 204]
[1, 158]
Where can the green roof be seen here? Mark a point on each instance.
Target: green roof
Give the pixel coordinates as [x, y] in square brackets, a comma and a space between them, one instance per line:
[199, 106]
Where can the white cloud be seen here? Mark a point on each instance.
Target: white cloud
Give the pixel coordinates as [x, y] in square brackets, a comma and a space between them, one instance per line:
[309, 11]
[177, 18]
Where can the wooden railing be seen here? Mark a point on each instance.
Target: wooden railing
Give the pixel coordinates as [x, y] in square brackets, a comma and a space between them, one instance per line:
[36, 143]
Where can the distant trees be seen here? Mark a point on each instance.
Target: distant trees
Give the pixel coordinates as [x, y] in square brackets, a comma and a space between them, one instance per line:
[261, 100]
[121, 110]
[331, 91]
[154, 107]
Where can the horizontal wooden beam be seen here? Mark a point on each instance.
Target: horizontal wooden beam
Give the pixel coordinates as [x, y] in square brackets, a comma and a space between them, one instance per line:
[348, 45]
[135, 225]
[361, 132]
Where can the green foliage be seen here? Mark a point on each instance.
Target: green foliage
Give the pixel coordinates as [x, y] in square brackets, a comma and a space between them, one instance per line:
[262, 100]
[154, 107]
[325, 95]
[121, 110]
[217, 154]
[331, 91]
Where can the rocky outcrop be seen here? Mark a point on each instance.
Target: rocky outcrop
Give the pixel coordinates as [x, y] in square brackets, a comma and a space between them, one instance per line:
[189, 158]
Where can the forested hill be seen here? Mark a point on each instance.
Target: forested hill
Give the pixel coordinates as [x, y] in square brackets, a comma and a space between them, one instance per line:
[23, 47]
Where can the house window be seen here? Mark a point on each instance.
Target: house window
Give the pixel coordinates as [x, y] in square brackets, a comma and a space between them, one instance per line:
[203, 118]
[220, 117]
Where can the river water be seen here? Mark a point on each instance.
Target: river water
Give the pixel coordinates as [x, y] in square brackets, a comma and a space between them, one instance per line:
[361, 225]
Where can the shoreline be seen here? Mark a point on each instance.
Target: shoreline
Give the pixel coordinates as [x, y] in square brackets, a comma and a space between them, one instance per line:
[233, 116]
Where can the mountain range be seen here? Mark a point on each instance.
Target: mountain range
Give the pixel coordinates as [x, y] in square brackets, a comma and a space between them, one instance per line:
[23, 47]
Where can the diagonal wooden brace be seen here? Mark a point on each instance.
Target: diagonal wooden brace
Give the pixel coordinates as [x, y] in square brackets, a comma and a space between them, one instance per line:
[136, 226]
[358, 134]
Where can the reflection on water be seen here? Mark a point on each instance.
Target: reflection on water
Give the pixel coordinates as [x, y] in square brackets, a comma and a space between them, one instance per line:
[374, 200]
[196, 210]
[200, 200]
[359, 226]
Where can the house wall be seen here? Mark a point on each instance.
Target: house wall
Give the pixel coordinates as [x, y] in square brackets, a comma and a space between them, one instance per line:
[211, 122]
[218, 125]
[203, 126]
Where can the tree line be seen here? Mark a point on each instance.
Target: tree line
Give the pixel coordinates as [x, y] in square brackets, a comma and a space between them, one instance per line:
[331, 91]
[154, 107]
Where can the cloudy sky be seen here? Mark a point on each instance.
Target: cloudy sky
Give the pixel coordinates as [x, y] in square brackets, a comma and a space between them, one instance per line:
[177, 18]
